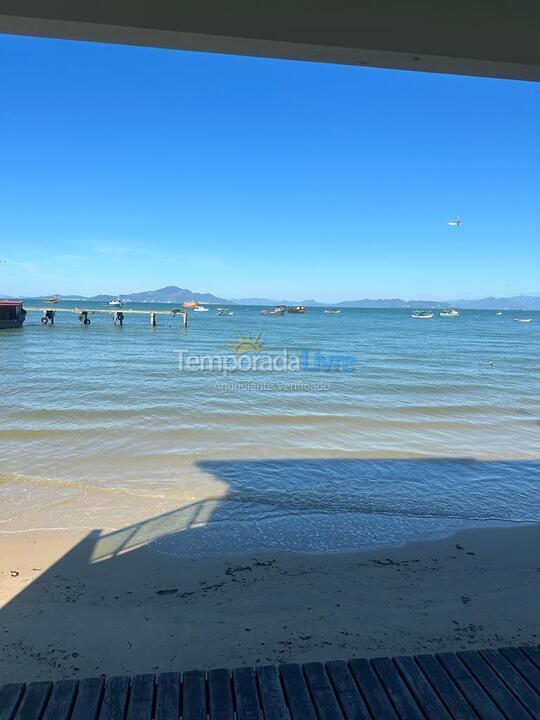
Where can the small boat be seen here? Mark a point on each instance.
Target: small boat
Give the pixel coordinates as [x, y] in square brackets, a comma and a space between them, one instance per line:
[278, 310]
[116, 303]
[422, 315]
[223, 311]
[498, 313]
[298, 309]
[523, 320]
[332, 311]
[191, 304]
[52, 300]
[200, 308]
[451, 312]
[12, 314]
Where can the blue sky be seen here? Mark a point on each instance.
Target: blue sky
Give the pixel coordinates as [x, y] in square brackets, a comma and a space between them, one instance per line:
[126, 169]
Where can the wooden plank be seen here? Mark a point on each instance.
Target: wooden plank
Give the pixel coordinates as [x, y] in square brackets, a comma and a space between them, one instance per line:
[141, 698]
[61, 700]
[220, 701]
[522, 663]
[34, 701]
[194, 695]
[493, 685]
[420, 688]
[115, 698]
[376, 698]
[10, 697]
[351, 701]
[273, 702]
[393, 683]
[168, 696]
[88, 701]
[533, 653]
[296, 692]
[322, 692]
[471, 689]
[456, 703]
[520, 687]
[245, 694]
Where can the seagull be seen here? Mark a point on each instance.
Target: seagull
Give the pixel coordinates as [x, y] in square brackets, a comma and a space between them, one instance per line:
[455, 223]
[2, 260]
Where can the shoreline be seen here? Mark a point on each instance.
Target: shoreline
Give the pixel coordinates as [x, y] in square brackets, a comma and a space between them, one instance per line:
[72, 610]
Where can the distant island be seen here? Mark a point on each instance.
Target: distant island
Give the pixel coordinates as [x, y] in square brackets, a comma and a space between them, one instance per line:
[176, 295]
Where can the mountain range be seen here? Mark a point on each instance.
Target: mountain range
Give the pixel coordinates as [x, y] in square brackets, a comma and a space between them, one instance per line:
[175, 295]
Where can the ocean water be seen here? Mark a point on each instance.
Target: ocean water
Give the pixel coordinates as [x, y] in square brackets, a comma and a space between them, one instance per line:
[436, 428]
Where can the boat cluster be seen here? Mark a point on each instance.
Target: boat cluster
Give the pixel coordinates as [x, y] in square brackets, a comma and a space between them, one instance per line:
[282, 309]
[428, 314]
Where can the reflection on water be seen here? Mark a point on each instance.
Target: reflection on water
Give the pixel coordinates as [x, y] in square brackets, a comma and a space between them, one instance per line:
[99, 428]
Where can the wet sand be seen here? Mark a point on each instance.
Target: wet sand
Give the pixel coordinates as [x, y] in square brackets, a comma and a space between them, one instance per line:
[65, 612]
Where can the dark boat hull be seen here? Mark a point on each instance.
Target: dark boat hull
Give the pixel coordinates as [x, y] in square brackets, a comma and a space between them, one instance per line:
[9, 324]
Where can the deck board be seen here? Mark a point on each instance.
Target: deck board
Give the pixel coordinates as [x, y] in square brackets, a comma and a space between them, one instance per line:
[10, 697]
[245, 694]
[351, 701]
[168, 696]
[297, 693]
[324, 699]
[115, 698]
[88, 700]
[61, 701]
[220, 698]
[492, 684]
[425, 695]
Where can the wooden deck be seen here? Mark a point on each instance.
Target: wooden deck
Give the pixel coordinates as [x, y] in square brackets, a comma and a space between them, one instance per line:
[485, 685]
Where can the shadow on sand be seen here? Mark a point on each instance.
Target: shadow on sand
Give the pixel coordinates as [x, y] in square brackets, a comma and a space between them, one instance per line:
[110, 604]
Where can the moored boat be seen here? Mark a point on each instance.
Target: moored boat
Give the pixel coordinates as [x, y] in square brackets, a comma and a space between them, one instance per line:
[116, 303]
[52, 300]
[191, 304]
[200, 308]
[332, 311]
[298, 309]
[278, 310]
[523, 320]
[12, 314]
[422, 315]
[450, 312]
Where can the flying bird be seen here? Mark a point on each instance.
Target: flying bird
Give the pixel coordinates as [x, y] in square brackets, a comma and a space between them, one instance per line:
[455, 223]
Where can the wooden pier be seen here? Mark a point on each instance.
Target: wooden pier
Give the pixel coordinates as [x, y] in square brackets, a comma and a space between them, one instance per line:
[106, 311]
[49, 312]
[501, 684]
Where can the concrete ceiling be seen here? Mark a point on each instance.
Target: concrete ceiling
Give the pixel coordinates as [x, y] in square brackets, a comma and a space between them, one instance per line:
[493, 38]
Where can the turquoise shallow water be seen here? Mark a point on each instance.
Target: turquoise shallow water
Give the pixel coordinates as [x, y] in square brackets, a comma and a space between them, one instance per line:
[436, 428]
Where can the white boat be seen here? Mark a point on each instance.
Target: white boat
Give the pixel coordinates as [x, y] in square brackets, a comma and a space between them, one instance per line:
[498, 313]
[422, 315]
[525, 320]
[332, 312]
[223, 311]
[116, 303]
[200, 308]
[451, 312]
[276, 312]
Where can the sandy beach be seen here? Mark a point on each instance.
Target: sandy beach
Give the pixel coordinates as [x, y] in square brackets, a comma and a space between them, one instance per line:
[72, 608]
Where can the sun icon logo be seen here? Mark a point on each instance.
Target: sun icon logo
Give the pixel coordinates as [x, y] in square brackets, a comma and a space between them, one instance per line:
[246, 344]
